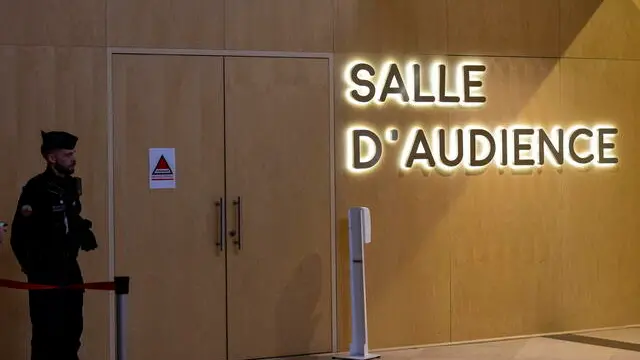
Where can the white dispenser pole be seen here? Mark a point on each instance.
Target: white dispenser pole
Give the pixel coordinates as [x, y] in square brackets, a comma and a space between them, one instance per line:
[359, 234]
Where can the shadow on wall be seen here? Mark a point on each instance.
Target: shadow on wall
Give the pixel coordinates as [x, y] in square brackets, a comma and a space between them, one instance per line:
[304, 289]
[574, 15]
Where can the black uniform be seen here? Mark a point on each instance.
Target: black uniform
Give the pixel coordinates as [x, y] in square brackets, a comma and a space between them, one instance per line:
[47, 234]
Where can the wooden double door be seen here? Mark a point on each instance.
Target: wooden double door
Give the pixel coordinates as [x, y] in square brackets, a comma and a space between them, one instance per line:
[235, 262]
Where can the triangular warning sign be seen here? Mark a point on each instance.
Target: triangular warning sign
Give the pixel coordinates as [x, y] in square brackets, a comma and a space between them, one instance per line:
[162, 171]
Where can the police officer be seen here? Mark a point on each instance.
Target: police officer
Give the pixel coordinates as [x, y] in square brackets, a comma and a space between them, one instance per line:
[47, 234]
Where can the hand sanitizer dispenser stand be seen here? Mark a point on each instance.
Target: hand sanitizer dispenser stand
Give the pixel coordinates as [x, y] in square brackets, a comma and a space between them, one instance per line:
[359, 234]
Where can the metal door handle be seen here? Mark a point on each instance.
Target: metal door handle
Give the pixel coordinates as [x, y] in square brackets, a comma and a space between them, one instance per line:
[221, 237]
[237, 233]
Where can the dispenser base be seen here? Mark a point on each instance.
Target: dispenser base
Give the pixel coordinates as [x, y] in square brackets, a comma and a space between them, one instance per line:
[356, 357]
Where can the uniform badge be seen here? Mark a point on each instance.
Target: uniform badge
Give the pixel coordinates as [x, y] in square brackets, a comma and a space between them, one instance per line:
[26, 210]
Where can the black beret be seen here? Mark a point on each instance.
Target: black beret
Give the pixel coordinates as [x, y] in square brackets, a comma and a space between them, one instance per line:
[54, 140]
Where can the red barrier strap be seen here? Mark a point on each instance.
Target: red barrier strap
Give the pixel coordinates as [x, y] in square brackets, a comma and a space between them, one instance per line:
[12, 284]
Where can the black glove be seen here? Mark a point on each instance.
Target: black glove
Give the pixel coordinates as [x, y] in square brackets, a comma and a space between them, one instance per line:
[88, 242]
[87, 238]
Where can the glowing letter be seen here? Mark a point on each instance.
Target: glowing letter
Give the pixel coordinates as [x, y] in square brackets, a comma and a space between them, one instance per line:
[417, 78]
[602, 146]
[443, 155]
[443, 83]
[504, 146]
[557, 152]
[572, 146]
[420, 139]
[476, 83]
[517, 147]
[394, 72]
[357, 162]
[473, 161]
[361, 82]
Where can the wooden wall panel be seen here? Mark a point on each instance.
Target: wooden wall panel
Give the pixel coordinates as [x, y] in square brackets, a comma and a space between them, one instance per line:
[183, 24]
[523, 253]
[506, 236]
[60, 22]
[391, 27]
[279, 25]
[408, 261]
[503, 27]
[608, 32]
[45, 88]
[601, 227]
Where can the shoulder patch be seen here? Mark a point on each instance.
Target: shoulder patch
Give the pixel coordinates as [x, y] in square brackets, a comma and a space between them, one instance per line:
[26, 210]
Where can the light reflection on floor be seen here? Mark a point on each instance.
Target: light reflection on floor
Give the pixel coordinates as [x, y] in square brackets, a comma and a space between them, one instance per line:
[621, 344]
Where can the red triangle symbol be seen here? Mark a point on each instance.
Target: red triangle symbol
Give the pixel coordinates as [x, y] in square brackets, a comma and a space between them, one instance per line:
[162, 168]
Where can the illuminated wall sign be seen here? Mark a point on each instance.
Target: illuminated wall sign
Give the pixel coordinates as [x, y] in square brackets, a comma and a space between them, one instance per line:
[407, 85]
[475, 147]
[470, 147]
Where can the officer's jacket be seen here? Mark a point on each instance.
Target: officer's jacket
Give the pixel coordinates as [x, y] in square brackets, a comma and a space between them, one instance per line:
[48, 230]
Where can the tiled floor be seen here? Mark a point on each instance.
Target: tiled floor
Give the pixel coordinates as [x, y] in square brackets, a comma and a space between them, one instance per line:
[623, 344]
[631, 335]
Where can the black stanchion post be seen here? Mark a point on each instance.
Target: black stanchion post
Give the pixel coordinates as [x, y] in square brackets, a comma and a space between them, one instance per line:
[122, 290]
